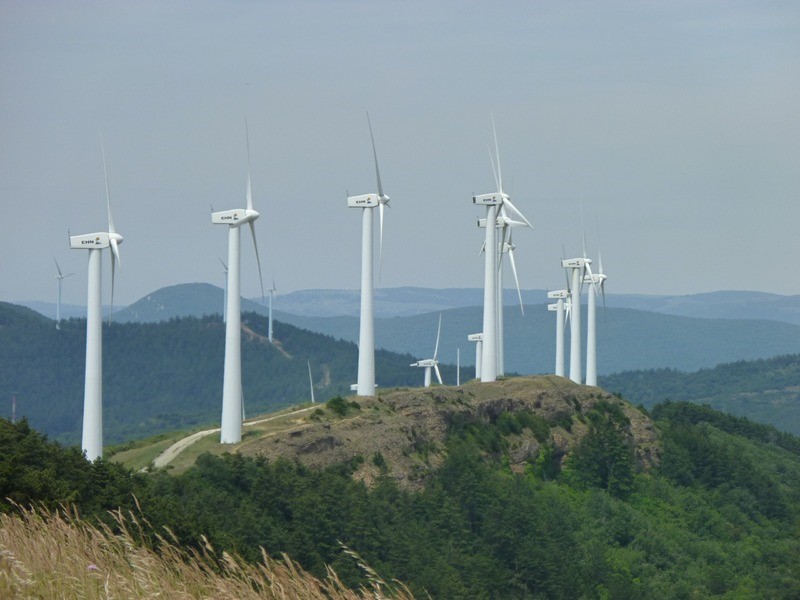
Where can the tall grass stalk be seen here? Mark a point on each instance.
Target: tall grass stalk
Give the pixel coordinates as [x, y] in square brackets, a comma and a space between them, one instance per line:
[54, 554]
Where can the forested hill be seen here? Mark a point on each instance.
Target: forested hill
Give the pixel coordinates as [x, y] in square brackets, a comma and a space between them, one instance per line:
[496, 517]
[765, 390]
[166, 376]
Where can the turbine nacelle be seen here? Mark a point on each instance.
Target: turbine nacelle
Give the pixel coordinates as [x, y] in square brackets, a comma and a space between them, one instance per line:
[428, 362]
[575, 263]
[234, 217]
[366, 201]
[558, 294]
[475, 337]
[502, 222]
[100, 239]
[493, 199]
[552, 307]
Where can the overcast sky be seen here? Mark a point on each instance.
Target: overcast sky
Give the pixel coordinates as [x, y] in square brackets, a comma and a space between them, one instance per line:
[675, 124]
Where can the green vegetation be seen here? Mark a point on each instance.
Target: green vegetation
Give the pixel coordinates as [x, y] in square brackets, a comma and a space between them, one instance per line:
[718, 517]
[765, 390]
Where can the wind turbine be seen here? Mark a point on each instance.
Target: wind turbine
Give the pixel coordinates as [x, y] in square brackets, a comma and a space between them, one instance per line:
[272, 291]
[578, 267]
[310, 381]
[490, 364]
[225, 295]
[598, 287]
[231, 425]
[432, 363]
[92, 438]
[458, 367]
[59, 277]
[366, 334]
[478, 339]
[560, 296]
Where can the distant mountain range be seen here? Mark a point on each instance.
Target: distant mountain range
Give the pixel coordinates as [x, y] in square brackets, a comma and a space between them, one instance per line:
[407, 301]
[628, 339]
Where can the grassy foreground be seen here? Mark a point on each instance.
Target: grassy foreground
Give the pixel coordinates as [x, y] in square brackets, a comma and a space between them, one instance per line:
[47, 554]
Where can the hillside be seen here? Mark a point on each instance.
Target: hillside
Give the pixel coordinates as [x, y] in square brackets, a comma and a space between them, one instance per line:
[764, 390]
[165, 376]
[408, 428]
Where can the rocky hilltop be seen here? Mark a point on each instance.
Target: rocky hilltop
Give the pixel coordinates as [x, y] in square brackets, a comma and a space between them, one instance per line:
[402, 432]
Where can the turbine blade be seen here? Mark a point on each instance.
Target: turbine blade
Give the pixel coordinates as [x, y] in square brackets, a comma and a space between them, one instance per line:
[258, 260]
[516, 279]
[249, 186]
[438, 331]
[583, 232]
[518, 213]
[224, 266]
[483, 248]
[108, 193]
[57, 268]
[113, 274]
[494, 169]
[375, 156]
[438, 375]
[497, 154]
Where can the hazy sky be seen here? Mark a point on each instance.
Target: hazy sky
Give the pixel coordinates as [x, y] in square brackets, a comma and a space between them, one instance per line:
[675, 124]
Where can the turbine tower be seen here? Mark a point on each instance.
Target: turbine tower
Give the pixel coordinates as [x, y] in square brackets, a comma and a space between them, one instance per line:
[232, 405]
[432, 363]
[478, 339]
[271, 291]
[92, 438]
[558, 307]
[366, 334]
[59, 277]
[578, 266]
[598, 287]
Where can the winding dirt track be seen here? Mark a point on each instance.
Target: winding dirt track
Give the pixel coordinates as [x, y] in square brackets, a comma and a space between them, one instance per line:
[166, 457]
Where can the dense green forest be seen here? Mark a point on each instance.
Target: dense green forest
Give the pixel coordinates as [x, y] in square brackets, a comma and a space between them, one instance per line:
[165, 376]
[718, 518]
[765, 390]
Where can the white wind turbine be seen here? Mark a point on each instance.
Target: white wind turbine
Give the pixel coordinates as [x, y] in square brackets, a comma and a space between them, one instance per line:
[366, 335]
[432, 363]
[59, 277]
[559, 307]
[598, 287]
[92, 438]
[493, 203]
[231, 425]
[272, 291]
[310, 381]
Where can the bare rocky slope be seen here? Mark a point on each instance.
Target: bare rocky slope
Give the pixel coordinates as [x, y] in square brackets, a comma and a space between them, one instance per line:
[408, 427]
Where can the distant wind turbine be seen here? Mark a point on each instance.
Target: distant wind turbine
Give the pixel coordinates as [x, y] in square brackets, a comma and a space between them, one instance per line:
[310, 381]
[558, 307]
[366, 335]
[432, 363]
[59, 277]
[92, 438]
[231, 425]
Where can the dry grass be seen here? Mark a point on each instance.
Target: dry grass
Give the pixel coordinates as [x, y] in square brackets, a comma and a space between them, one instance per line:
[56, 555]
